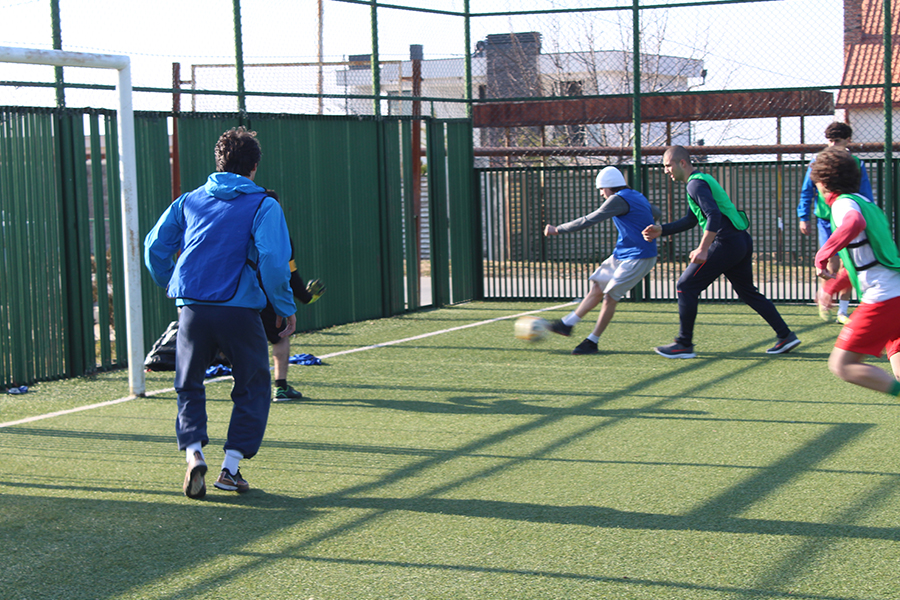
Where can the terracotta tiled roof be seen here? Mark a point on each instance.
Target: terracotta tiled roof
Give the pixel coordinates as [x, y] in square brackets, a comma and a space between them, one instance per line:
[864, 53]
[872, 18]
[864, 65]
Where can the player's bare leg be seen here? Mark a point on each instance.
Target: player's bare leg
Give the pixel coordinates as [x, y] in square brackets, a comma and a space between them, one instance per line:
[895, 365]
[606, 314]
[280, 352]
[850, 367]
[593, 298]
[590, 301]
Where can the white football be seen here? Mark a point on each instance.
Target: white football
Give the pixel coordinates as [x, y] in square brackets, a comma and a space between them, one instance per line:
[531, 328]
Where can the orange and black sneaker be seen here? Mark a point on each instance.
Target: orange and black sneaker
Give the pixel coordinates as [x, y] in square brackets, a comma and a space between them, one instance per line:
[676, 350]
[232, 483]
[785, 344]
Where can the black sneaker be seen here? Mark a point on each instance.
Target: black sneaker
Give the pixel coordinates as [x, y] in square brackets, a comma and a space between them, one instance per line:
[586, 347]
[286, 393]
[561, 328]
[194, 478]
[232, 483]
[785, 344]
[676, 350]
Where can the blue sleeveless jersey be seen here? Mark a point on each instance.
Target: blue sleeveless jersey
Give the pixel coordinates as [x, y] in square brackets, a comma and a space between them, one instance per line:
[631, 243]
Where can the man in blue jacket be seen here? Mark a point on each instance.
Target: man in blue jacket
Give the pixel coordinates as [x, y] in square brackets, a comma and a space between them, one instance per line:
[206, 250]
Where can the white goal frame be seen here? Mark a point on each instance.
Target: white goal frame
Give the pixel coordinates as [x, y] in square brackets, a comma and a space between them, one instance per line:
[127, 176]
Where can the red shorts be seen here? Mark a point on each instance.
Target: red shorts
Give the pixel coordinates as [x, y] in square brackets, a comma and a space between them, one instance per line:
[873, 328]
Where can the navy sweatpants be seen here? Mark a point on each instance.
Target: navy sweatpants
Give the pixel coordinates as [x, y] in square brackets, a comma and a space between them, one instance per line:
[238, 332]
[732, 257]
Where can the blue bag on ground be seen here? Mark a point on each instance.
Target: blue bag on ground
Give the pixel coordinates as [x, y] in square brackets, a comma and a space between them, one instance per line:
[304, 359]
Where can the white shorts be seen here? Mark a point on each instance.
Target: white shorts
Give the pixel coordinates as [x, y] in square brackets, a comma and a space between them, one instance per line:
[616, 277]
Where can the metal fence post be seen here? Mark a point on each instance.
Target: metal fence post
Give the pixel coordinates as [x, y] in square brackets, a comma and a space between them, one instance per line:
[239, 59]
[890, 201]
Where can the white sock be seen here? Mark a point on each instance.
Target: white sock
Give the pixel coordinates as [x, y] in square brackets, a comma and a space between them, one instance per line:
[594, 338]
[195, 447]
[232, 459]
[843, 305]
[571, 319]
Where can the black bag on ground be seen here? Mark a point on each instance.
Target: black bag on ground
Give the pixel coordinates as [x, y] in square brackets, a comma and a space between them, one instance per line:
[162, 355]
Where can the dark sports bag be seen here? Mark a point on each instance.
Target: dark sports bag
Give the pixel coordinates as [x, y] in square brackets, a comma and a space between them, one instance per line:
[162, 355]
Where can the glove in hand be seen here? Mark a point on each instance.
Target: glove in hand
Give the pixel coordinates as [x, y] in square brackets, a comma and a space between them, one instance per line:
[315, 288]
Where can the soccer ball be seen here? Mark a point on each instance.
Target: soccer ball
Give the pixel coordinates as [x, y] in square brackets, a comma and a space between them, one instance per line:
[531, 328]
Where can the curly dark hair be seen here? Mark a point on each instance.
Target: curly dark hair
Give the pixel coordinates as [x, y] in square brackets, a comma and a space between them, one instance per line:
[238, 151]
[838, 131]
[837, 171]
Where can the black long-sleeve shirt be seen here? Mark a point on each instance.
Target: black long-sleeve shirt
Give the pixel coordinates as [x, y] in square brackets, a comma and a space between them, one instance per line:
[700, 192]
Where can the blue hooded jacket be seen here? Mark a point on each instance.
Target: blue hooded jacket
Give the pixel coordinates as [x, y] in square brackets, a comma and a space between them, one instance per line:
[222, 229]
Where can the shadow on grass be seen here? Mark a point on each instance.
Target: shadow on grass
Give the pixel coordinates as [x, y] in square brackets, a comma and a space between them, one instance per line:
[64, 547]
[136, 544]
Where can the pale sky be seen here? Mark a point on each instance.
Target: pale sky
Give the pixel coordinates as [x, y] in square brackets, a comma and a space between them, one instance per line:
[779, 43]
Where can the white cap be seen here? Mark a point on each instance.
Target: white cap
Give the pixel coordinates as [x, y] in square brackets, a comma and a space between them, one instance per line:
[610, 177]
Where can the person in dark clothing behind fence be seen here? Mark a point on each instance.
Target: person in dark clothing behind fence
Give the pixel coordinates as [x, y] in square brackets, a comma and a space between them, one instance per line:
[203, 250]
[725, 249]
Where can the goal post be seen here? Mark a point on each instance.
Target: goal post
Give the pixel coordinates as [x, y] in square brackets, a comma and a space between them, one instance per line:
[127, 175]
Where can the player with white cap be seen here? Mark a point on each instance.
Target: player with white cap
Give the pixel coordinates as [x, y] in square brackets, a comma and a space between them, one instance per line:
[632, 258]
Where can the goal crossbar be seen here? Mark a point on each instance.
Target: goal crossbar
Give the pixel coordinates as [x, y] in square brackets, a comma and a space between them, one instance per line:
[127, 175]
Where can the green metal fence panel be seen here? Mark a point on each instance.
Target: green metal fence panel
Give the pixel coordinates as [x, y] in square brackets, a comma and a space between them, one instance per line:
[393, 214]
[116, 247]
[284, 169]
[100, 240]
[325, 170]
[411, 230]
[76, 267]
[465, 214]
[33, 322]
[196, 141]
[154, 191]
[438, 213]
[13, 198]
[521, 263]
[43, 232]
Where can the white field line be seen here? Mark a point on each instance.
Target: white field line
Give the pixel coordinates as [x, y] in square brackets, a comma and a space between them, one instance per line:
[60, 413]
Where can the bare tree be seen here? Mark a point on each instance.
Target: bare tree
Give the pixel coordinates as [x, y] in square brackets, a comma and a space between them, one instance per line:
[590, 54]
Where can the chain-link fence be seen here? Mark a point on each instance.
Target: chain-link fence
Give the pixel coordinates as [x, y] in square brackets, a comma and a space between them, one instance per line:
[544, 80]
[552, 90]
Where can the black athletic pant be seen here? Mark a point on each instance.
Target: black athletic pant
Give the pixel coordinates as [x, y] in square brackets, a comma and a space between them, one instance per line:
[203, 330]
[732, 257]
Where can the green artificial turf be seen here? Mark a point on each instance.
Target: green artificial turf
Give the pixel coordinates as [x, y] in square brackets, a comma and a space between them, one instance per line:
[470, 464]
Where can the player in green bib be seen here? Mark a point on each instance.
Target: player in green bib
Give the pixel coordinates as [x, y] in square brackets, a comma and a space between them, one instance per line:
[725, 249]
[812, 202]
[862, 236]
